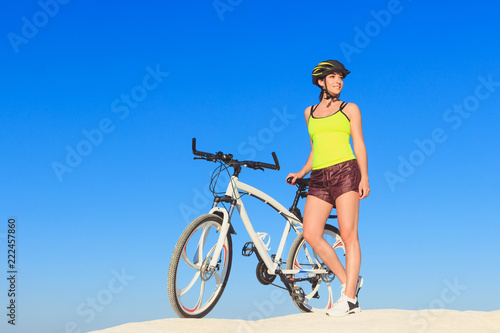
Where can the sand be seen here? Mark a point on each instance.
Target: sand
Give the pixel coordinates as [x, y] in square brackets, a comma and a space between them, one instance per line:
[386, 321]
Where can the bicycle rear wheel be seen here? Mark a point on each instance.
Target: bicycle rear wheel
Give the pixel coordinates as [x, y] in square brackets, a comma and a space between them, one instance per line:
[193, 290]
[318, 295]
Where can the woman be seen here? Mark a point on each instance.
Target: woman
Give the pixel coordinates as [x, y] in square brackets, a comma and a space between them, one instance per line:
[339, 179]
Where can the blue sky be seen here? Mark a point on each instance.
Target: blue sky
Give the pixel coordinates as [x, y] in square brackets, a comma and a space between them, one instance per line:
[127, 86]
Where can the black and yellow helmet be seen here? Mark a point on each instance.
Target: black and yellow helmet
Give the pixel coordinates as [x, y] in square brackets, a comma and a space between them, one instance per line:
[327, 67]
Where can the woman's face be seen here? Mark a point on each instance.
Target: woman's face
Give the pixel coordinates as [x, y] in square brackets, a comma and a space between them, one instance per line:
[334, 83]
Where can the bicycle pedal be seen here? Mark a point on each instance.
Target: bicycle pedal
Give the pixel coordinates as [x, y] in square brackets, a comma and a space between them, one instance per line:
[248, 249]
[298, 294]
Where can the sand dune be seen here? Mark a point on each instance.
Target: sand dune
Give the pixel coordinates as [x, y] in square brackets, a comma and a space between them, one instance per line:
[385, 321]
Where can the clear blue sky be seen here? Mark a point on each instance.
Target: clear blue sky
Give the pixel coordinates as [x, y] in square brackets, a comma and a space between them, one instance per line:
[126, 86]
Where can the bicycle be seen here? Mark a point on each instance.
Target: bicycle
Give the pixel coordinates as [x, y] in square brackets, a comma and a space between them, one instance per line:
[201, 262]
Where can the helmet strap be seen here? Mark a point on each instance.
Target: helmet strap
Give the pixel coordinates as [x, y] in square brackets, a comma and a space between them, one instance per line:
[327, 95]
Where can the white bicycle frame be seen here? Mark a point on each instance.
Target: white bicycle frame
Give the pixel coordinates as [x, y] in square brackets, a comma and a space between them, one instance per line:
[233, 190]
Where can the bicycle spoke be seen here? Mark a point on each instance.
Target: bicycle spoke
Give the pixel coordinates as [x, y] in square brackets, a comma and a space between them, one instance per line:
[185, 290]
[297, 264]
[318, 259]
[188, 262]
[309, 257]
[200, 299]
[330, 296]
[198, 255]
[315, 289]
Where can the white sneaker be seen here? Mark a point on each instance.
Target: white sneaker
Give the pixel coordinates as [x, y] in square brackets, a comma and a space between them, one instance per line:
[343, 307]
[358, 286]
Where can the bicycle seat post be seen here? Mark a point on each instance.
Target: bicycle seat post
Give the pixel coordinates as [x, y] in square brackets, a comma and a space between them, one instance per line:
[300, 193]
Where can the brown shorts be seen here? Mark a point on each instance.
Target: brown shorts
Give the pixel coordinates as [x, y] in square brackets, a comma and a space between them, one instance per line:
[331, 182]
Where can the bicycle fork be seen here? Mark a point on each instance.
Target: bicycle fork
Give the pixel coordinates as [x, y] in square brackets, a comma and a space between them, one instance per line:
[222, 235]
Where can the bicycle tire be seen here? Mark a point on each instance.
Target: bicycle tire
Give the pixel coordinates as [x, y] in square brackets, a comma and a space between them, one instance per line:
[209, 284]
[301, 256]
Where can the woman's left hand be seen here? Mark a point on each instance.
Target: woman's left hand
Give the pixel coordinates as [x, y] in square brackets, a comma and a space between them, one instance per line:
[364, 189]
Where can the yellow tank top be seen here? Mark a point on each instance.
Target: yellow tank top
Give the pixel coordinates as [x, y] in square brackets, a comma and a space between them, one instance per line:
[330, 136]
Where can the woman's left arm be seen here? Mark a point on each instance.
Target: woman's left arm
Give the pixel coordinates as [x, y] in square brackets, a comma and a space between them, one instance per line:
[359, 148]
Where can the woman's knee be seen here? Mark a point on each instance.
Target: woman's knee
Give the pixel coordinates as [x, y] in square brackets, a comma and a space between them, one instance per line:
[349, 236]
[311, 236]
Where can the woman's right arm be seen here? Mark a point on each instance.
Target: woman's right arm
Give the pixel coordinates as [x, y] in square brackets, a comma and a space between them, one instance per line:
[308, 166]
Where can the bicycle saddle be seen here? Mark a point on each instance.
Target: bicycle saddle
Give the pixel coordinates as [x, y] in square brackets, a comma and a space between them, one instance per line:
[303, 181]
[300, 182]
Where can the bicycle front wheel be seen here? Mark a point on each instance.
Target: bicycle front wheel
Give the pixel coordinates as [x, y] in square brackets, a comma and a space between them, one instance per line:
[317, 288]
[194, 289]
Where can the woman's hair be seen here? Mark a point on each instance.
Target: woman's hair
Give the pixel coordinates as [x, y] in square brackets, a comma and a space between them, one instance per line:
[321, 95]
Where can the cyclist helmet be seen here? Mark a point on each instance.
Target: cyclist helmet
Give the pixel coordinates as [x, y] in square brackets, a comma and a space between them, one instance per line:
[325, 68]
[328, 67]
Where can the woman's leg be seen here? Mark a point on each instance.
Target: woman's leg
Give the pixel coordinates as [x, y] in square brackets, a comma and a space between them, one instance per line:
[316, 212]
[347, 206]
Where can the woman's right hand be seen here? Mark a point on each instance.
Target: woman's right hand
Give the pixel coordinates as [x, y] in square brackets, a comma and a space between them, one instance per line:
[294, 177]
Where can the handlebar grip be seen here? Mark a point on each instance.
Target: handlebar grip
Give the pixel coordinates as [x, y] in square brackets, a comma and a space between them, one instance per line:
[194, 145]
[208, 155]
[268, 166]
[200, 153]
[277, 166]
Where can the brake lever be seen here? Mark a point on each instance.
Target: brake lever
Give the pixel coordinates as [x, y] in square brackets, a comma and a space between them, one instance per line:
[209, 159]
[251, 165]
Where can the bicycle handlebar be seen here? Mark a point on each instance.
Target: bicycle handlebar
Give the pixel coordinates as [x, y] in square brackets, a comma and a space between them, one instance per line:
[228, 159]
